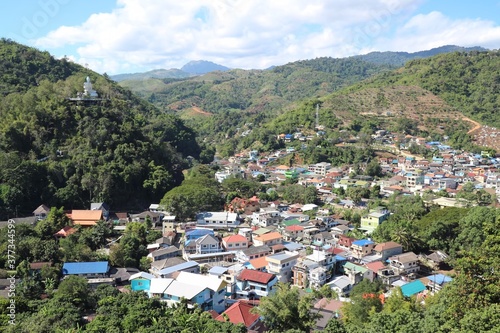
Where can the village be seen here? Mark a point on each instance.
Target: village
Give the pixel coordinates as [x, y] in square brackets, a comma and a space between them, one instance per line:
[224, 262]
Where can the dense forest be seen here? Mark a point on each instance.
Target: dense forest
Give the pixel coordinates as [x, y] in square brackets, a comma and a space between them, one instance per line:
[118, 149]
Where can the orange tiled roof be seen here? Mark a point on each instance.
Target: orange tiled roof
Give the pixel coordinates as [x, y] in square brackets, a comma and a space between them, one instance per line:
[269, 236]
[86, 217]
[259, 263]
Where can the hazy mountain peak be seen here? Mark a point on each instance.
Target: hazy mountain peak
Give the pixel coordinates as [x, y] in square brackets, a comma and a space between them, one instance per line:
[202, 67]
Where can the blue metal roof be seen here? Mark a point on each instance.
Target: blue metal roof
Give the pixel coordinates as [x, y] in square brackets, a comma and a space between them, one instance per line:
[362, 242]
[180, 267]
[197, 233]
[412, 288]
[95, 267]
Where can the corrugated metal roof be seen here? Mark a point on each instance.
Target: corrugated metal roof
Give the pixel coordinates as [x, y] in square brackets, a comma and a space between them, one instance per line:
[95, 267]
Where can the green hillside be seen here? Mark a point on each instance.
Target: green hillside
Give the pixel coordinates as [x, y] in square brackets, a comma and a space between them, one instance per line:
[400, 58]
[120, 150]
[238, 97]
[467, 81]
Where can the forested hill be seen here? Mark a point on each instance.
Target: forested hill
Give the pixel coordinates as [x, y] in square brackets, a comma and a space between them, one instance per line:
[55, 151]
[218, 103]
[467, 81]
[400, 58]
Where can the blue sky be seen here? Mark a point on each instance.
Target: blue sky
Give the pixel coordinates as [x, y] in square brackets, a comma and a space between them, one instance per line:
[118, 36]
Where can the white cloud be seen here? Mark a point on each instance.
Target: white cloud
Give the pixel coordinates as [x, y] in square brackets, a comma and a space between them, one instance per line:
[147, 34]
[425, 31]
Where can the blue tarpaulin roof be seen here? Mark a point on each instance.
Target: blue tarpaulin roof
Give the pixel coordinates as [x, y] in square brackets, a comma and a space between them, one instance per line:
[440, 279]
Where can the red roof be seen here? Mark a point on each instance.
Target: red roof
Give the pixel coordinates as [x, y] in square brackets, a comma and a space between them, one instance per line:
[294, 228]
[66, 231]
[375, 266]
[255, 276]
[239, 313]
[235, 239]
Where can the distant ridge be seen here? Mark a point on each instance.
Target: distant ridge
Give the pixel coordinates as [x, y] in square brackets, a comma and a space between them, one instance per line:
[199, 67]
[400, 58]
[172, 73]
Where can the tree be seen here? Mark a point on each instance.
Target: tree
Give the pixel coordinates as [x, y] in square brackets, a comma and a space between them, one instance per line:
[75, 290]
[286, 309]
[373, 169]
[365, 300]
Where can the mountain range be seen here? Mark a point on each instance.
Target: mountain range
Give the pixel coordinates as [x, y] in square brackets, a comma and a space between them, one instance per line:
[192, 68]
[200, 67]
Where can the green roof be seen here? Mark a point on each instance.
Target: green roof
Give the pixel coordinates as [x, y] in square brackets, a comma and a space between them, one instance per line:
[344, 182]
[412, 288]
[353, 267]
[291, 222]
[261, 231]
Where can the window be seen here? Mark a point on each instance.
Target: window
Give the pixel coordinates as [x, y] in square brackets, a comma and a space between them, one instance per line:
[237, 244]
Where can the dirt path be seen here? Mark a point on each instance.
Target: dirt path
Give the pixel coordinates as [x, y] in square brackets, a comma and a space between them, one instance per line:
[198, 110]
[476, 125]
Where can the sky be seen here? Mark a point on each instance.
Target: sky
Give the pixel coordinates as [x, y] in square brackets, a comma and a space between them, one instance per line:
[128, 36]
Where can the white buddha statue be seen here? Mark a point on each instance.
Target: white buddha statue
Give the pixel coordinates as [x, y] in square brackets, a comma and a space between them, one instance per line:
[88, 91]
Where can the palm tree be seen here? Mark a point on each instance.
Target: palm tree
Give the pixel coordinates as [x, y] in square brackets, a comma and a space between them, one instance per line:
[407, 238]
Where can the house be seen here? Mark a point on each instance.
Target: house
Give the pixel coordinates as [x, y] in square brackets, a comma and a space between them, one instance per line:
[413, 288]
[265, 217]
[65, 232]
[356, 273]
[157, 266]
[268, 239]
[342, 285]
[122, 275]
[414, 179]
[154, 217]
[251, 284]
[216, 289]
[207, 244]
[41, 212]
[293, 232]
[169, 224]
[388, 249]
[197, 233]
[361, 248]
[437, 282]
[85, 218]
[218, 220]
[252, 253]
[405, 263]
[345, 242]
[194, 291]
[163, 253]
[103, 207]
[373, 219]
[240, 313]
[328, 309]
[281, 265]
[94, 269]
[321, 238]
[235, 243]
[189, 266]
[258, 264]
[376, 267]
[320, 168]
[141, 281]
